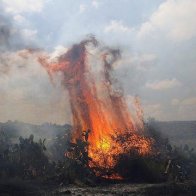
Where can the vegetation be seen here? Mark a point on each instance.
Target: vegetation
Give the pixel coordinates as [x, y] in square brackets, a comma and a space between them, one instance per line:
[63, 162]
[164, 163]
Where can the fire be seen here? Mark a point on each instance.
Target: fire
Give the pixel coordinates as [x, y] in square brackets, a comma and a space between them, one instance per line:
[104, 145]
[97, 104]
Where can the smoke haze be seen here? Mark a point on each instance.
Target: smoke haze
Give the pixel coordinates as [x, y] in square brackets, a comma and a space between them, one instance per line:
[157, 63]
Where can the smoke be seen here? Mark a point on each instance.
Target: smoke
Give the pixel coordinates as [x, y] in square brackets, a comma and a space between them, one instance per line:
[11, 38]
[87, 98]
[24, 79]
[26, 91]
[36, 99]
[97, 103]
[4, 33]
[11, 42]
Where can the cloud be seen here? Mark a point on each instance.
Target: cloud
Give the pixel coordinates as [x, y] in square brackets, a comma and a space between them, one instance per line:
[117, 26]
[138, 61]
[189, 101]
[29, 37]
[82, 8]
[95, 3]
[20, 6]
[185, 102]
[184, 108]
[29, 33]
[12, 38]
[175, 102]
[15, 31]
[143, 61]
[19, 18]
[163, 84]
[58, 50]
[174, 19]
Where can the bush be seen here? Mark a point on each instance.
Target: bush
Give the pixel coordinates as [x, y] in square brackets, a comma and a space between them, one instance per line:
[136, 168]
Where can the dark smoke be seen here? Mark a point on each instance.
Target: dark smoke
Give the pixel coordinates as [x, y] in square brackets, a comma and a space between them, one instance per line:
[11, 37]
[4, 33]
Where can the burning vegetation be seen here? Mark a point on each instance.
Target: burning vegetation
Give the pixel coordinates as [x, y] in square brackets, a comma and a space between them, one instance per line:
[98, 105]
[105, 142]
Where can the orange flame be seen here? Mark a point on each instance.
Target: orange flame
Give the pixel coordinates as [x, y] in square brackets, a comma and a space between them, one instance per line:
[97, 106]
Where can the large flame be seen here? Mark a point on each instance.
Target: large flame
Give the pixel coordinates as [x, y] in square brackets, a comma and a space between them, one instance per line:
[97, 104]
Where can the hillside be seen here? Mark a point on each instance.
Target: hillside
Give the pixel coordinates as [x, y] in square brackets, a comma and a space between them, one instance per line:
[179, 132]
[14, 129]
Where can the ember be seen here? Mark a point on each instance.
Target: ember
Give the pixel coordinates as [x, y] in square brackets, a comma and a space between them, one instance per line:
[98, 105]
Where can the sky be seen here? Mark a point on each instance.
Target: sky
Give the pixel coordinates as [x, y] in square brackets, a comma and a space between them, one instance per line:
[157, 39]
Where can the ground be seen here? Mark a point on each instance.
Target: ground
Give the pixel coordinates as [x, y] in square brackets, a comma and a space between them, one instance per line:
[132, 189]
[124, 189]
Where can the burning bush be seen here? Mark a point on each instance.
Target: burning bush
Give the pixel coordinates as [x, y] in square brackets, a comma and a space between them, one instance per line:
[97, 103]
[27, 160]
[116, 144]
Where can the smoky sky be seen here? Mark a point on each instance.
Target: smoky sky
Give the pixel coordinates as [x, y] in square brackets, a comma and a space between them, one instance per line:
[157, 47]
[26, 92]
